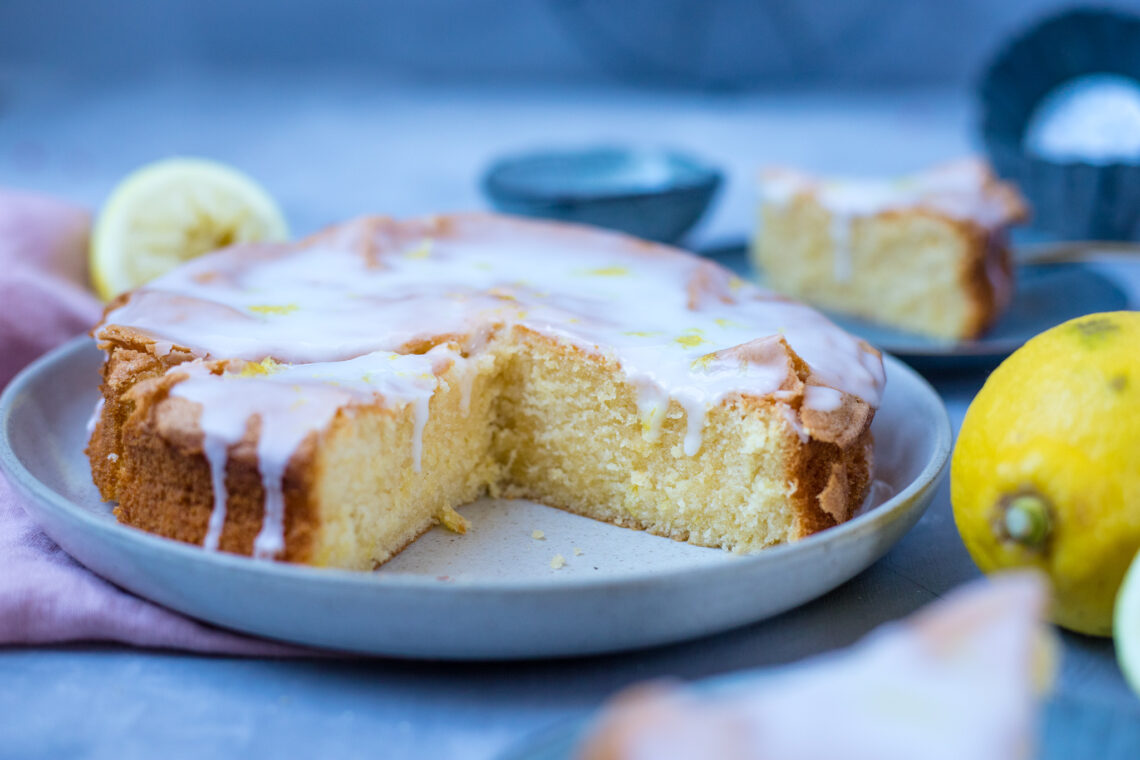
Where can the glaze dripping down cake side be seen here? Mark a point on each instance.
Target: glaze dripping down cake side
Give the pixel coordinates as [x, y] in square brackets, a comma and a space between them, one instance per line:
[326, 402]
[926, 253]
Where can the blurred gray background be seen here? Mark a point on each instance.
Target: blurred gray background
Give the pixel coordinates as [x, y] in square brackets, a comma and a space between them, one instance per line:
[344, 107]
[687, 43]
[341, 108]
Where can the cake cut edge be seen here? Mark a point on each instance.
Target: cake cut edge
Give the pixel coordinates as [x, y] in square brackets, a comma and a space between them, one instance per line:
[146, 452]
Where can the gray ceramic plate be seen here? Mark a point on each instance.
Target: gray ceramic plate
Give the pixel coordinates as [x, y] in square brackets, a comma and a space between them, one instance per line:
[491, 594]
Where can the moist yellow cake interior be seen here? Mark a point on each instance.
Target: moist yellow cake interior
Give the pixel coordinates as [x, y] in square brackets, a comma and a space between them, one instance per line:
[913, 271]
[927, 253]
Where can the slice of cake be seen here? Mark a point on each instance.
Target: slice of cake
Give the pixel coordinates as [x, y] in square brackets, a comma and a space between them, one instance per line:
[926, 253]
[327, 401]
[958, 680]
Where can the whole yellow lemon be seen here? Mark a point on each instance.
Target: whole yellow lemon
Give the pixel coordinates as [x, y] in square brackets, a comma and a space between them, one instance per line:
[1046, 471]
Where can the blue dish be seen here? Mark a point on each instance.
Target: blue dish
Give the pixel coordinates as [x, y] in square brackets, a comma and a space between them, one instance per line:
[655, 194]
[1073, 199]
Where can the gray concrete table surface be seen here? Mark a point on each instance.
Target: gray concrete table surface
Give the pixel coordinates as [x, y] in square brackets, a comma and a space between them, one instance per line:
[332, 148]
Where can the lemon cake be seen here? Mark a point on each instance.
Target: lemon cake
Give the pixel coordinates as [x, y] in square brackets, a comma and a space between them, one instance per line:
[327, 401]
[926, 253]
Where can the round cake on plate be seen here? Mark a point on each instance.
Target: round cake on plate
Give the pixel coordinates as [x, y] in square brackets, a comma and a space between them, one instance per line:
[329, 400]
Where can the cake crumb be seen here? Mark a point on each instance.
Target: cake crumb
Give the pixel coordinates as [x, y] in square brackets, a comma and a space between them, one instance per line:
[454, 521]
[577, 552]
[537, 535]
[558, 562]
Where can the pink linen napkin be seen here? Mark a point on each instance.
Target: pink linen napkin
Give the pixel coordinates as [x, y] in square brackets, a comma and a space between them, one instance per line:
[44, 298]
[45, 595]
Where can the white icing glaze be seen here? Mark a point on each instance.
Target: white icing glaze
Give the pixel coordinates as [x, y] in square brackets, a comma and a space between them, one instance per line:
[961, 190]
[840, 228]
[341, 312]
[162, 347]
[796, 425]
[292, 401]
[652, 404]
[93, 420]
[822, 399]
[215, 449]
[421, 415]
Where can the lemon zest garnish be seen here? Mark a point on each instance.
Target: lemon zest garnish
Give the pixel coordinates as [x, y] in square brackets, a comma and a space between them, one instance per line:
[722, 322]
[274, 309]
[641, 333]
[608, 272]
[691, 339]
[537, 535]
[266, 366]
[420, 251]
[502, 294]
[703, 362]
[735, 283]
[557, 562]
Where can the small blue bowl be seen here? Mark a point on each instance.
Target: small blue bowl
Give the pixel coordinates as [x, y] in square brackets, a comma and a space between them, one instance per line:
[651, 193]
[1071, 198]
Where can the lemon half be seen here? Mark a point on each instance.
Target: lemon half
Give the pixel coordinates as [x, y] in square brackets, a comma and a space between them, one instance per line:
[1126, 626]
[174, 210]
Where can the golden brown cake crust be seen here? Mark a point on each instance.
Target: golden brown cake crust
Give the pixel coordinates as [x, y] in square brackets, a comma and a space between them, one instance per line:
[146, 453]
[988, 277]
[985, 274]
